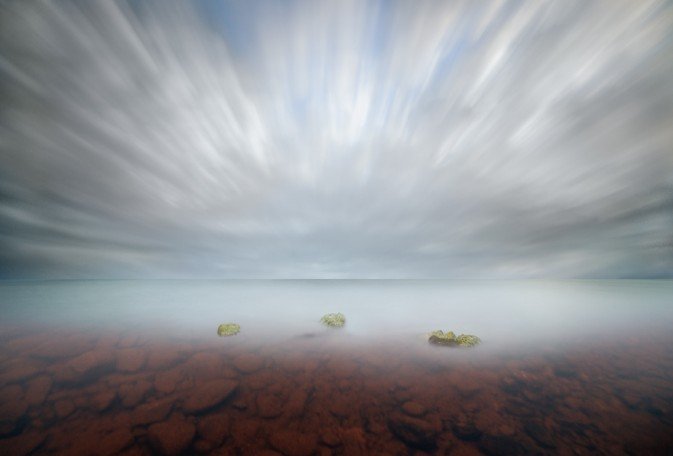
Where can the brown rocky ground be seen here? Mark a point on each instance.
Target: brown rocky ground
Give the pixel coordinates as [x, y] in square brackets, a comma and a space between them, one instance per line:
[131, 394]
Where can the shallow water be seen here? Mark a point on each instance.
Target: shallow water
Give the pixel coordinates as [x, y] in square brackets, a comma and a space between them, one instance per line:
[136, 367]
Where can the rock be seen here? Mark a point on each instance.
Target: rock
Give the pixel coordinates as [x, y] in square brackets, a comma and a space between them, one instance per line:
[202, 446]
[239, 404]
[228, 329]
[67, 347]
[342, 368]
[244, 430]
[209, 395]
[333, 320]
[85, 367]
[565, 372]
[440, 337]
[415, 432]
[296, 403]
[497, 445]
[101, 400]
[248, 363]
[19, 370]
[293, 443]
[206, 366]
[402, 395]
[10, 393]
[37, 390]
[114, 441]
[64, 408]
[214, 429]
[22, 444]
[131, 394]
[540, 434]
[375, 425]
[341, 405]
[13, 412]
[451, 340]
[260, 380]
[413, 408]
[166, 382]
[465, 430]
[269, 405]
[129, 341]
[354, 441]
[130, 359]
[467, 340]
[171, 437]
[162, 358]
[329, 438]
[152, 412]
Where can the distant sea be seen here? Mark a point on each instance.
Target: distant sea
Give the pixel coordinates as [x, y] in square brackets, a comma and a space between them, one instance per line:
[137, 367]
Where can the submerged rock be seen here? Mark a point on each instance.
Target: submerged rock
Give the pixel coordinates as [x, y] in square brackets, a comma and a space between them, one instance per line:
[450, 339]
[415, 432]
[228, 329]
[293, 443]
[334, 320]
[171, 437]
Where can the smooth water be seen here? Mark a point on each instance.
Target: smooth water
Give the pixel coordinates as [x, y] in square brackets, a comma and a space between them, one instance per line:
[106, 367]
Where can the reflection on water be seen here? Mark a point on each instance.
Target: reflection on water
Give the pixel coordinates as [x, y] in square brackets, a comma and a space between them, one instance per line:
[137, 368]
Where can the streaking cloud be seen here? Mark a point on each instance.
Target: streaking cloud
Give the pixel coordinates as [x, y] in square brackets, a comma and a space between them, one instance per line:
[336, 139]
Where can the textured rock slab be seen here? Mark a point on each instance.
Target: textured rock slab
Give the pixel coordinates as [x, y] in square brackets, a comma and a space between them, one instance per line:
[296, 403]
[130, 359]
[415, 432]
[496, 445]
[131, 394]
[293, 443]
[166, 382]
[66, 347]
[37, 390]
[102, 399]
[161, 358]
[214, 429]
[152, 411]
[412, 408]
[64, 408]
[22, 444]
[209, 395]
[248, 363]
[465, 430]
[205, 365]
[171, 437]
[85, 367]
[269, 405]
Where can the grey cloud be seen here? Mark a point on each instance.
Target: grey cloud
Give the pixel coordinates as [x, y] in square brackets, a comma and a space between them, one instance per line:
[336, 139]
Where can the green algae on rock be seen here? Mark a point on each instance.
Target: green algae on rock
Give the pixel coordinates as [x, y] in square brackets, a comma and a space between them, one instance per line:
[334, 320]
[467, 340]
[228, 329]
[442, 338]
[451, 340]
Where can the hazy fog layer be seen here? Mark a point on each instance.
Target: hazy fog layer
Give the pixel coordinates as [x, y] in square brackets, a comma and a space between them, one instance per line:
[336, 139]
[530, 314]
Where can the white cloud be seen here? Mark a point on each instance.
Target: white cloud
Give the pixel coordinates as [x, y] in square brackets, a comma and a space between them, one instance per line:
[331, 139]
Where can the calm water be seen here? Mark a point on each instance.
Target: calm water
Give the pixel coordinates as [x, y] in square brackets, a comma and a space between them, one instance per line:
[577, 367]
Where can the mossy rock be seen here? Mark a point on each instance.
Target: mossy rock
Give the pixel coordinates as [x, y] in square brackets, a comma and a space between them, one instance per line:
[442, 338]
[228, 329]
[467, 340]
[333, 320]
[449, 339]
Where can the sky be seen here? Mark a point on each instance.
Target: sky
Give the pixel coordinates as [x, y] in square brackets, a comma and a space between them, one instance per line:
[336, 139]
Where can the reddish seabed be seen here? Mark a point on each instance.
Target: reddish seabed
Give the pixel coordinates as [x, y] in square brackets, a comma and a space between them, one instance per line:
[68, 392]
